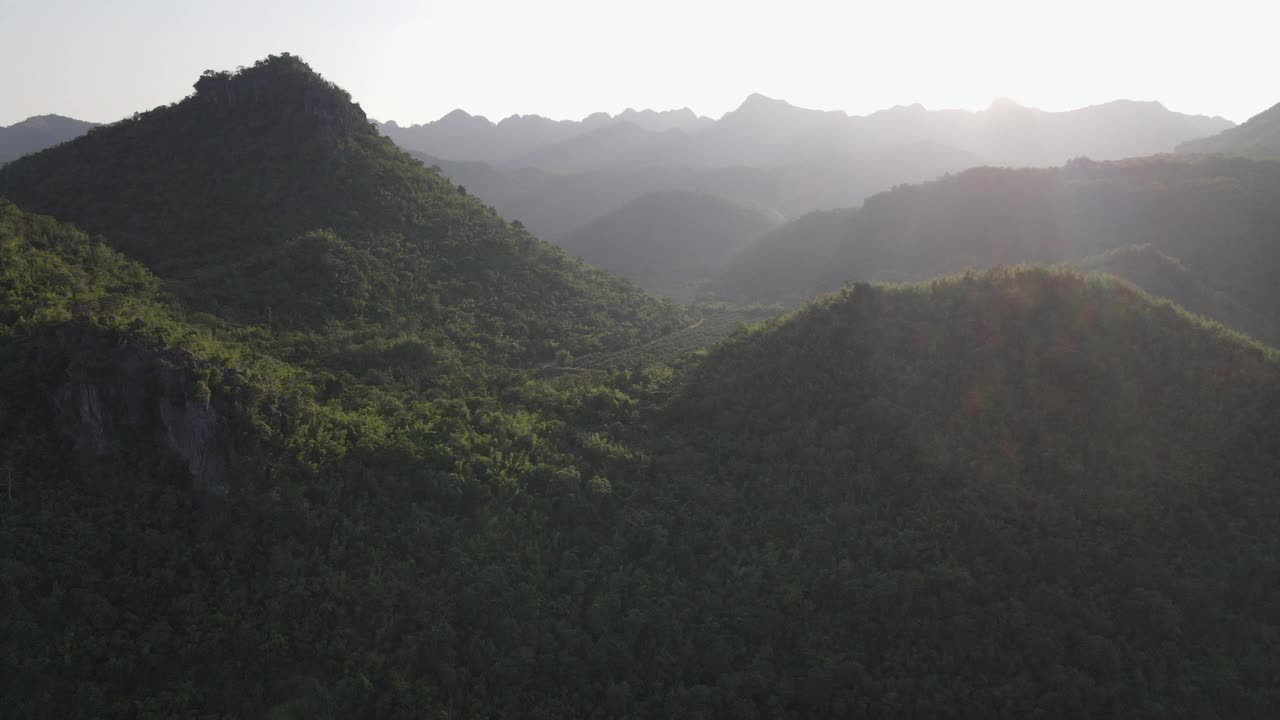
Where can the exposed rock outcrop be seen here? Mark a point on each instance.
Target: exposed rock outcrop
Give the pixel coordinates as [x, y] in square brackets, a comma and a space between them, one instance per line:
[132, 393]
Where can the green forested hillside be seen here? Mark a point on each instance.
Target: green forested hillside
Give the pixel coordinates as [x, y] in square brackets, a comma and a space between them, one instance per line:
[1216, 216]
[191, 527]
[270, 199]
[668, 241]
[1023, 493]
[277, 442]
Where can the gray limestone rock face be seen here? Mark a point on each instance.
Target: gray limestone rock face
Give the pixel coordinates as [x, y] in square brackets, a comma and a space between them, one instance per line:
[133, 393]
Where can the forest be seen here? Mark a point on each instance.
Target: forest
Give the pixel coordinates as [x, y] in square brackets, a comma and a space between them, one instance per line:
[294, 426]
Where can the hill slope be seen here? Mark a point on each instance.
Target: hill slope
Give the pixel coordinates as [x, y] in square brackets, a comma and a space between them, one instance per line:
[666, 241]
[269, 198]
[38, 133]
[1214, 215]
[1010, 493]
[982, 485]
[192, 527]
[1258, 137]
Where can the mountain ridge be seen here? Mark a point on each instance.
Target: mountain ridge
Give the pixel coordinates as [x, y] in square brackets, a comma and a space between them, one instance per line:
[37, 133]
[288, 207]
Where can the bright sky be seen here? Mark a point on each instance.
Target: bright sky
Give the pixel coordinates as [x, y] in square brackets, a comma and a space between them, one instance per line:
[414, 60]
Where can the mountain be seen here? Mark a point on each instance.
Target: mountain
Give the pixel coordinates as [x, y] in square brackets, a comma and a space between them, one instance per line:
[1258, 137]
[767, 152]
[660, 121]
[752, 134]
[787, 264]
[193, 525]
[269, 198]
[1166, 277]
[280, 437]
[1214, 216]
[1023, 489]
[613, 146]
[978, 486]
[459, 136]
[38, 133]
[1010, 134]
[767, 132]
[554, 205]
[667, 241]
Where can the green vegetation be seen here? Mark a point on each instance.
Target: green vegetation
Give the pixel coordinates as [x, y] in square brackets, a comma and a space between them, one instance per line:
[667, 242]
[1215, 216]
[306, 456]
[270, 200]
[1023, 493]
[716, 324]
[210, 530]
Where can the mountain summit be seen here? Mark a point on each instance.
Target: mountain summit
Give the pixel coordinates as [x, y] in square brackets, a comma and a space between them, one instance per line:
[37, 133]
[267, 196]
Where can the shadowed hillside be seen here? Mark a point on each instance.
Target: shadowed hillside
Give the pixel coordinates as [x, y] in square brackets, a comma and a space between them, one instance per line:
[981, 485]
[666, 242]
[1258, 138]
[1215, 216]
[271, 199]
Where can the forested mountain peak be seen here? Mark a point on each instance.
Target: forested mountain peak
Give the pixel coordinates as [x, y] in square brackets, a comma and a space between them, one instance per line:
[947, 456]
[268, 197]
[281, 79]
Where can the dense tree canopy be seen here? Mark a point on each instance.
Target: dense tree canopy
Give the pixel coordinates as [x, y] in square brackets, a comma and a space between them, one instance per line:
[282, 453]
[272, 200]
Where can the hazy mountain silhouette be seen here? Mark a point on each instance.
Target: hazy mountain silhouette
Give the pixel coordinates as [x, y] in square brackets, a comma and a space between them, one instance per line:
[38, 133]
[1010, 134]
[1214, 216]
[765, 131]
[614, 146]
[668, 241]
[554, 204]
[1258, 137]
[460, 136]
[556, 176]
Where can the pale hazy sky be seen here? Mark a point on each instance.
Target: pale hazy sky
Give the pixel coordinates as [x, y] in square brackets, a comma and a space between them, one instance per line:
[414, 60]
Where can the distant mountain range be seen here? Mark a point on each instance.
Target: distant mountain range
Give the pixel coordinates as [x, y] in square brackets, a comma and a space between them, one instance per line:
[462, 136]
[557, 176]
[766, 131]
[1208, 225]
[37, 133]
[292, 426]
